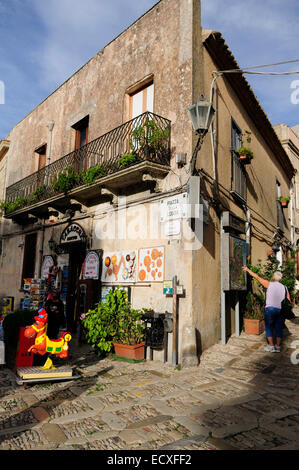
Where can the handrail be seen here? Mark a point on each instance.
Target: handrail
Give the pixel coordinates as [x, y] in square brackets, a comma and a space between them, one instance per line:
[146, 137]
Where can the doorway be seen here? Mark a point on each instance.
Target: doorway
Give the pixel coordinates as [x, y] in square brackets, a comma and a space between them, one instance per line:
[76, 259]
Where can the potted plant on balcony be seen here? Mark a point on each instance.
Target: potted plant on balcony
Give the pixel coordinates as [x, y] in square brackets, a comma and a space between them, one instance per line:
[128, 159]
[245, 153]
[149, 139]
[254, 315]
[66, 180]
[284, 201]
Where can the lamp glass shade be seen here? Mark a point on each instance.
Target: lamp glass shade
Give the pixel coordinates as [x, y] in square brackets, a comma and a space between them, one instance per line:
[52, 244]
[201, 114]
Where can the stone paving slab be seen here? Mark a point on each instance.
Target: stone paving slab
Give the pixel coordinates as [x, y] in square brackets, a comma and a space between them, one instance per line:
[239, 397]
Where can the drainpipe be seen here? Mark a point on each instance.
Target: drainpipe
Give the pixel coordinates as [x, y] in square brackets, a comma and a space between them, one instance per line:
[222, 300]
[50, 126]
[41, 250]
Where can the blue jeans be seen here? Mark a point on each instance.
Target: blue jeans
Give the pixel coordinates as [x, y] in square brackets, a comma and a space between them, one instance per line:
[273, 321]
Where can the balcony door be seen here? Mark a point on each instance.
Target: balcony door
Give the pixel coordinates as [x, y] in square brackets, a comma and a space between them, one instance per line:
[142, 101]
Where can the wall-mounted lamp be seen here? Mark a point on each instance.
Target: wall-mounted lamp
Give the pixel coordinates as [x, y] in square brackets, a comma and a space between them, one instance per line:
[52, 244]
[201, 115]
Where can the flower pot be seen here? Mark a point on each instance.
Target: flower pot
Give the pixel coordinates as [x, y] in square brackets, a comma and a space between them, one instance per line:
[253, 326]
[135, 352]
[245, 159]
[284, 203]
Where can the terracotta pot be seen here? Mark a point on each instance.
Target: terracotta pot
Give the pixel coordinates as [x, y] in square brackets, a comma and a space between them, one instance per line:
[135, 352]
[254, 327]
[284, 203]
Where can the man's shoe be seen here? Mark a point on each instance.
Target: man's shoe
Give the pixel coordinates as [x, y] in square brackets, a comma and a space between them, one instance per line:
[277, 349]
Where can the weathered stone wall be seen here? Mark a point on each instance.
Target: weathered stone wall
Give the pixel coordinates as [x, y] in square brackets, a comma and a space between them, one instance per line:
[159, 44]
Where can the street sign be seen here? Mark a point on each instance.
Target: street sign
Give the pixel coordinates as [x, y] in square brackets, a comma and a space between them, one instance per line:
[167, 288]
[174, 207]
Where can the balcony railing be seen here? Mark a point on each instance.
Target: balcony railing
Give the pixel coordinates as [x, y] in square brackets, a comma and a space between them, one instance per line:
[145, 138]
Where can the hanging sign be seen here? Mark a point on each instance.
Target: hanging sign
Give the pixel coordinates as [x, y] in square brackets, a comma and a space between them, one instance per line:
[91, 266]
[73, 233]
[48, 262]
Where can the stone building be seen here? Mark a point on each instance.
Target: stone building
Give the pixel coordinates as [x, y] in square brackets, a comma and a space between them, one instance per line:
[104, 164]
[289, 137]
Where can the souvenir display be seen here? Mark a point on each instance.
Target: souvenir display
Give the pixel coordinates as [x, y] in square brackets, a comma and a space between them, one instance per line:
[43, 344]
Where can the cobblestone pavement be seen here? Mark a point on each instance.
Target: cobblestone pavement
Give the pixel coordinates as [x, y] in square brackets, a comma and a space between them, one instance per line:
[239, 397]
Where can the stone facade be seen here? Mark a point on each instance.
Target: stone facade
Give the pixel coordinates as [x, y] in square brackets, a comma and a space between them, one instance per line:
[165, 46]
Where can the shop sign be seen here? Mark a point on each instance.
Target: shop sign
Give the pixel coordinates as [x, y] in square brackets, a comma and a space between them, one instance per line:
[73, 233]
[167, 288]
[48, 262]
[91, 266]
[174, 207]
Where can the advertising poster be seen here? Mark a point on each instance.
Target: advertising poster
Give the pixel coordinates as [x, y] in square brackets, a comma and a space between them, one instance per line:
[120, 266]
[151, 264]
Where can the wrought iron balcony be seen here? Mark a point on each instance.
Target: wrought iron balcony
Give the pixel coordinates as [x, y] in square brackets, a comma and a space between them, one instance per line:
[143, 139]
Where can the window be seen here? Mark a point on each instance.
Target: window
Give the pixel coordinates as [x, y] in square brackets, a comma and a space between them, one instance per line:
[29, 257]
[42, 155]
[81, 140]
[142, 101]
[239, 187]
[279, 207]
[81, 129]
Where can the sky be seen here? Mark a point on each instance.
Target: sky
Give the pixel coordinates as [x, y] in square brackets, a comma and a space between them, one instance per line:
[43, 42]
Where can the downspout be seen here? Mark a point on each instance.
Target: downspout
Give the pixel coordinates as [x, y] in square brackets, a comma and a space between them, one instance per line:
[50, 126]
[41, 250]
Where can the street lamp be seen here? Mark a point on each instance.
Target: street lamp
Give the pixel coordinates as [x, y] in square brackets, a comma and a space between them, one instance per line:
[201, 115]
[52, 244]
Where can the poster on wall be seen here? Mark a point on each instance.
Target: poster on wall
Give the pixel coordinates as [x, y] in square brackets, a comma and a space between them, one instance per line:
[237, 259]
[120, 266]
[151, 264]
[48, 262]
[91, 266]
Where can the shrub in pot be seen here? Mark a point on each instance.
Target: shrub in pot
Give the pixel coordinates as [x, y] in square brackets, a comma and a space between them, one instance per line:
[284, 201]
[114, 322]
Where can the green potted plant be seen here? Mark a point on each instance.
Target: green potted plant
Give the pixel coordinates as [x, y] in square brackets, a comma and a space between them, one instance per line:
[128, 159]
[114, 322]
[66, 180]
[149, 139]
[254, 315]
[245, 153]
[284, 201]
[129, 339]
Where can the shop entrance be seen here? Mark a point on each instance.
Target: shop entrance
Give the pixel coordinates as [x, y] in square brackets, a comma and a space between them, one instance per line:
[76, 259]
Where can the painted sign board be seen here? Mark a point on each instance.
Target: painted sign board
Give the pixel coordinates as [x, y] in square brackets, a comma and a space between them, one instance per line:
[73, 233]
[91, 266]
